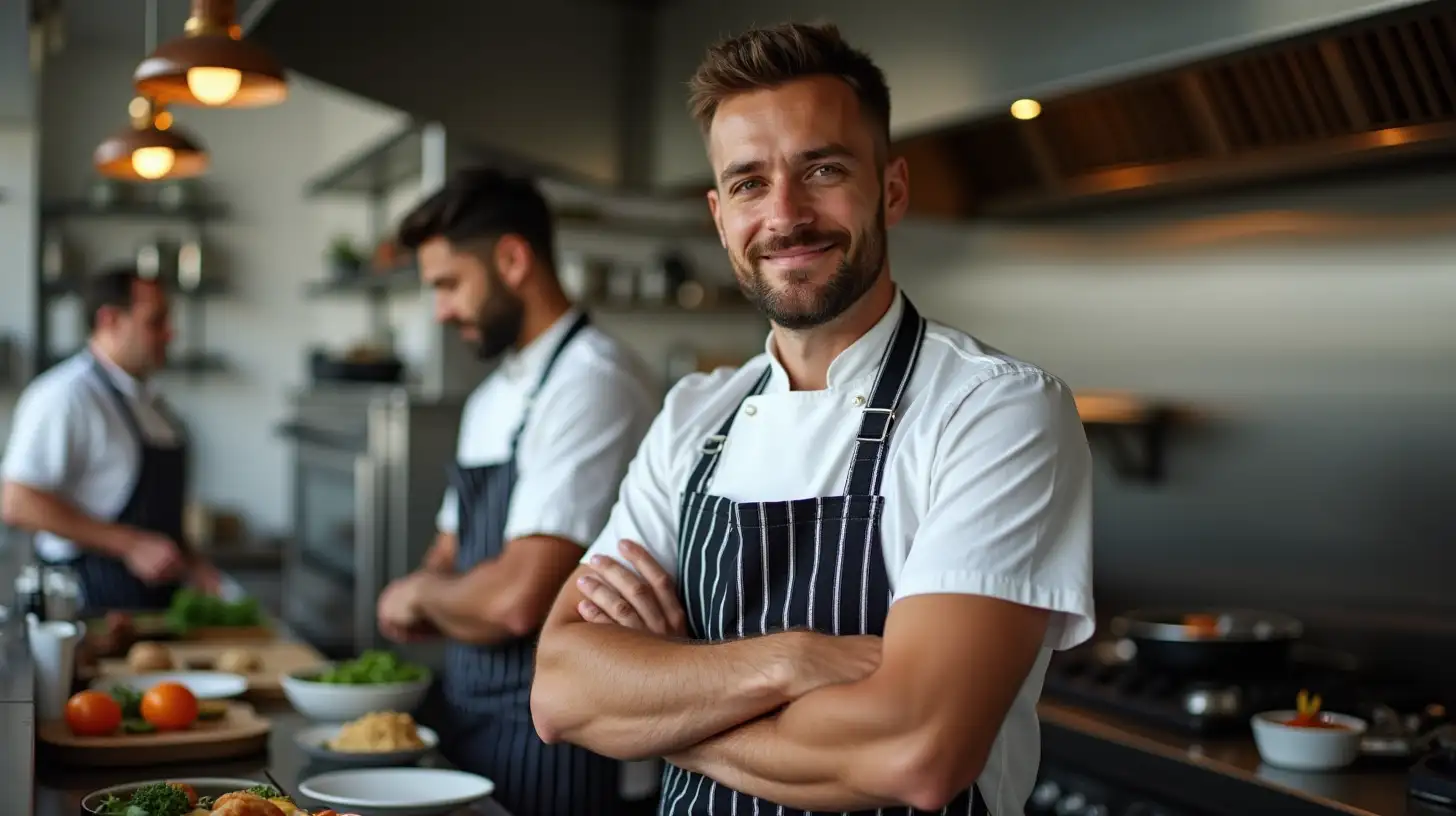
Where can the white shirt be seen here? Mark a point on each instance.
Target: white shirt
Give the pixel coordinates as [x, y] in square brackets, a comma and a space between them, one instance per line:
[581, 432]
[70, 438]
[987, 489]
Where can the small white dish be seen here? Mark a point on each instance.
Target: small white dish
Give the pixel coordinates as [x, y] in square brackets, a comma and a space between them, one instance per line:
[398, 791]
[204, 685]
[314, 740]
[1306, 748]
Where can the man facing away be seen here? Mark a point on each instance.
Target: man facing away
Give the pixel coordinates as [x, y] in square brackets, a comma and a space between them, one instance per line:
[873, 534]
[544, 442]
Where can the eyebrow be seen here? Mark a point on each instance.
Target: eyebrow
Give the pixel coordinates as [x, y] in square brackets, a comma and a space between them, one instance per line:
[832, 150]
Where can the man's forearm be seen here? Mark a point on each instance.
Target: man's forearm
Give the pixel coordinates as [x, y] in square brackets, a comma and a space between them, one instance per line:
[843, 747]
[629, 694]
[36, 510]
[468, 608]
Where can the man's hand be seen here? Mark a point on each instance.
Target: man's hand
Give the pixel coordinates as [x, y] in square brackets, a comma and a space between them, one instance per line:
[398, 609]
[155, 559]
[646, 601]
[205, 577]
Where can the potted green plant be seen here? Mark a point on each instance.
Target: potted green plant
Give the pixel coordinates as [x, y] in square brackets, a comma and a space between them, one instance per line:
[345, 259]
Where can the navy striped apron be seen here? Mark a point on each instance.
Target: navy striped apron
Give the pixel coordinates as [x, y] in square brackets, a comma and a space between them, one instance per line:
[488, 688]
[752, 568]
[156, 504]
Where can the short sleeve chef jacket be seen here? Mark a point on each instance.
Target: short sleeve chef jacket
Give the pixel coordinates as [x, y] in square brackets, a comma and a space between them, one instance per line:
[988, 486]
[70, 438]
[580, 434]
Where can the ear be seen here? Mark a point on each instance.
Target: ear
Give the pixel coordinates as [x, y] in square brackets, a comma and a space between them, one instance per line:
[513, 258]
[897, 190]
[717, 216]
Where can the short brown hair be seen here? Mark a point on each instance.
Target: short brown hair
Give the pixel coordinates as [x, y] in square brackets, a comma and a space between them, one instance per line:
[769, 57]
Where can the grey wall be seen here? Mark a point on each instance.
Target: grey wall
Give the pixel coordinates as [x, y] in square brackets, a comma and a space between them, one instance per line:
[1312, 325]
[950, 59]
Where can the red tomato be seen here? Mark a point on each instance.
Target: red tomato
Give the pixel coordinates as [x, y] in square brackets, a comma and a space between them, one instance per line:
[169, 707]
[92, 714]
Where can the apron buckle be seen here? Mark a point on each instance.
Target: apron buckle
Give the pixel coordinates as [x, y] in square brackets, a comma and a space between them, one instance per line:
[714, 444]
[867, 426]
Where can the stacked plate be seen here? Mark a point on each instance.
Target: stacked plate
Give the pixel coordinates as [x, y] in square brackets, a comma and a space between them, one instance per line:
[397, 791]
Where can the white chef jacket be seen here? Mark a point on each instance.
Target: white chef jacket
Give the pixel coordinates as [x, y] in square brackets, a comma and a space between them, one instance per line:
[987, 487]
[581, 432]
[70, 438]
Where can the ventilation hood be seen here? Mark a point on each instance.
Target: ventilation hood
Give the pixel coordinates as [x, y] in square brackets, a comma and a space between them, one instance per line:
[1376, 90]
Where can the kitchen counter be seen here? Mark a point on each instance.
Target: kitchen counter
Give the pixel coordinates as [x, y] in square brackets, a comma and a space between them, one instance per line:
[59, 789]
[1226, 773]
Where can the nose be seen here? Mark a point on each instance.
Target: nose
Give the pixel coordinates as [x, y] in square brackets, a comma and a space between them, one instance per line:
[788, 208]
[443, 313]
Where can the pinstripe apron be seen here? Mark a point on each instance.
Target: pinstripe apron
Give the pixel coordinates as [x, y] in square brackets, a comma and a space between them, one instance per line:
[488, 688]
[751, 568]
[156, 504]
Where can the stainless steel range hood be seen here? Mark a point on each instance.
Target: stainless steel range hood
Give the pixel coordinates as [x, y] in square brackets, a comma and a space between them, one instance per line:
[1375, 90]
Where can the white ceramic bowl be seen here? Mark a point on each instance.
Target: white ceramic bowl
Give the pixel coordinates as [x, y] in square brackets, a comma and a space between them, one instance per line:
[398, 791]
[1301, 748]
[342, 702]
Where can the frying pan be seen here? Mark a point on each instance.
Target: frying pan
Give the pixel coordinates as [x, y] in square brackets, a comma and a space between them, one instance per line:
[1210, 641]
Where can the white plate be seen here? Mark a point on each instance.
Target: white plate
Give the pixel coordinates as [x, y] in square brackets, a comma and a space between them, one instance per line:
[398, 791]
[314, 741]
[205, 685]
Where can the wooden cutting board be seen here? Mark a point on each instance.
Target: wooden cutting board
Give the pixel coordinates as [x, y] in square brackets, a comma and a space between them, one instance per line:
[240, 732]
[277, 659]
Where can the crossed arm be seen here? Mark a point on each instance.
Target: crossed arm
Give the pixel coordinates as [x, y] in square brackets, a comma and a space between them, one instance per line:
[915, 730]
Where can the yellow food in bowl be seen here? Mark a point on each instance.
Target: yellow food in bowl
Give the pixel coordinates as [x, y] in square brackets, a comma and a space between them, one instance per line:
[378, 732]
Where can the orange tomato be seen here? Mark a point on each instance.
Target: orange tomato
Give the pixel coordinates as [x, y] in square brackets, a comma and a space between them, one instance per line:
[92, 714]
[187, 789]
[169, 707]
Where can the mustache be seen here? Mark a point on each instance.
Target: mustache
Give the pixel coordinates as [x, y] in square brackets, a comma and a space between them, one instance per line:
[806, 237]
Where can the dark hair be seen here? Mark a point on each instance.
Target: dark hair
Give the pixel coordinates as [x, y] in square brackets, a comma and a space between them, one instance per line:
[480, 204]
[112, 286]
[764, 58]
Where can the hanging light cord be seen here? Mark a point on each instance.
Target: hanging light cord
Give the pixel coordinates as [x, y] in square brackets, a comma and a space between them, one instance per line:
[151, 34]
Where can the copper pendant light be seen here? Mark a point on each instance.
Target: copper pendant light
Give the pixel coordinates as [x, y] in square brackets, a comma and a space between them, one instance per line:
[212, 65]
[150, 149]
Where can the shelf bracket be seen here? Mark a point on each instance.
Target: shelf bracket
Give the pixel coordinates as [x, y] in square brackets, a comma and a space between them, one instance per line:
[1136, 449]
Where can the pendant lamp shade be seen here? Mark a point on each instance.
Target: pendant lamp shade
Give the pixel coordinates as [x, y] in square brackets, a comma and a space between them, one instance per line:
[211, 65]
[150, 149]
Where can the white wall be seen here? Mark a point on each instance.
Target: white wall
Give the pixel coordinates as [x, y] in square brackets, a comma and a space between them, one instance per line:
[19, 183]
[950, 59]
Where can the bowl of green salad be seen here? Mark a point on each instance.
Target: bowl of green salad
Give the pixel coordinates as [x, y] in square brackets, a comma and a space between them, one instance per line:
[376, 680]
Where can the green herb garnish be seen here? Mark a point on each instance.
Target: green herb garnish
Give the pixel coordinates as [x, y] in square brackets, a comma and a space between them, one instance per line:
[191, 609]
[372, 667]
[156, 799]
[267, 792]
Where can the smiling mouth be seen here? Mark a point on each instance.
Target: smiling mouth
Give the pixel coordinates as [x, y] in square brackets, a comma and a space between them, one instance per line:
[799, 253]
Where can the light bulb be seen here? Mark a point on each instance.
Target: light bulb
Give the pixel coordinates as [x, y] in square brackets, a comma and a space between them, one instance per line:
[1026, 109]
[214, 86]
[153, 162]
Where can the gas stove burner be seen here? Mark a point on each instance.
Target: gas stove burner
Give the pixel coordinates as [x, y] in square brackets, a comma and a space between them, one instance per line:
[1433, 779]
[1403, 724]
[1213, 701]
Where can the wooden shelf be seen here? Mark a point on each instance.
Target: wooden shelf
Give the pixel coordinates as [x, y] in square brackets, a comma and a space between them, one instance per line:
[150, 210]
[367, 282]
[71, 287]
[1131, 429]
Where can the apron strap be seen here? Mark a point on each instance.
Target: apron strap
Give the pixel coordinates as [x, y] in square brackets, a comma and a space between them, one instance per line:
[126, 413]
[877, 422]
[581, 322]
[713, 445]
